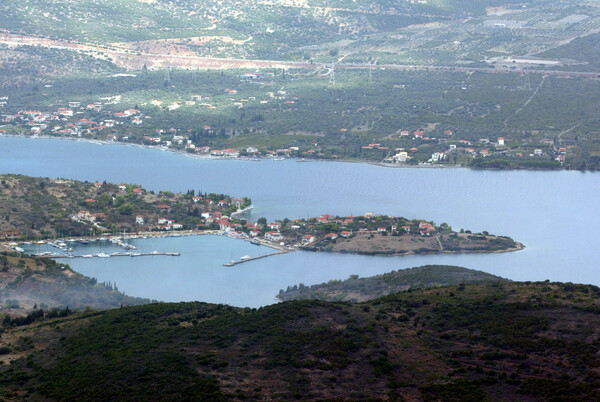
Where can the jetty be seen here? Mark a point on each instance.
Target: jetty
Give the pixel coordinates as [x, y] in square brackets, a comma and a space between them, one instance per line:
[109, 255]
[232, 263]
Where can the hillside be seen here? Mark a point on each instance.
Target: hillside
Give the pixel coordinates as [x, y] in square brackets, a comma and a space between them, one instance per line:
[502, 341]
[355, 289]
[43, 208]
[27, 283]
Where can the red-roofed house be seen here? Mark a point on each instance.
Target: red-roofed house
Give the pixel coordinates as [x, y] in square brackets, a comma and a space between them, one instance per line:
[308, 239]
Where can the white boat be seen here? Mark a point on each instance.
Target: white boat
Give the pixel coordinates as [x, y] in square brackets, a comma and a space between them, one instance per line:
[103, 255]
[19, 250]
[135, 254]
[246, 257]
[87, 256]
[278, 159]
[40, 242]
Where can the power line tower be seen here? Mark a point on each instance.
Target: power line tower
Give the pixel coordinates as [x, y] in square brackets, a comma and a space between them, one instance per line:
[168, 75]
[332, 73]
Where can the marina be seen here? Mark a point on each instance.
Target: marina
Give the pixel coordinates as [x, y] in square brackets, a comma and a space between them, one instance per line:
[104, 255]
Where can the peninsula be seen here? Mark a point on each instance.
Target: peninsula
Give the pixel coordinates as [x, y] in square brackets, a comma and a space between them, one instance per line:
[41, 209]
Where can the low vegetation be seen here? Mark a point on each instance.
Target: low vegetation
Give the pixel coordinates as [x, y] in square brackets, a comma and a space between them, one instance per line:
[28, 283]
[355, 289]
[503, 340]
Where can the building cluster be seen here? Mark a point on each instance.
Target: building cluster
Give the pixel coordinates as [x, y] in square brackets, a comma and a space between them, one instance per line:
[65, 122]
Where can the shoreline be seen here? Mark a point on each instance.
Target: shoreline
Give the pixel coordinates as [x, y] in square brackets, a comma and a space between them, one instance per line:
[245, 159]
[143, 235]
[298, 159]
[520, 246]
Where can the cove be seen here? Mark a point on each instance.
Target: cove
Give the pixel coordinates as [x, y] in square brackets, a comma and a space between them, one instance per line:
[554, 213]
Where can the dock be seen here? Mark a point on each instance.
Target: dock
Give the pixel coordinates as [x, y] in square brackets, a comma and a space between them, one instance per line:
[110, 255]
[232, 263]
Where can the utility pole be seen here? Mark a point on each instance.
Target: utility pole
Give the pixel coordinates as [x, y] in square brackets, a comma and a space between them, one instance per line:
[332, 73]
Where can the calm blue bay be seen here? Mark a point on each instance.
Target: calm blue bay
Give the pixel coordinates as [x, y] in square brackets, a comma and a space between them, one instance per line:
[555, 214]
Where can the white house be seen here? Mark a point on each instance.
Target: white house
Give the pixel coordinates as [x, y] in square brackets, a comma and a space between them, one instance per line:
[308, 239]
[273, 236]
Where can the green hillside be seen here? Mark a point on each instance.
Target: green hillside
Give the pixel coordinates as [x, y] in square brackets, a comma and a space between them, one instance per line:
[532, 341]
[361, 289]
[28, 283]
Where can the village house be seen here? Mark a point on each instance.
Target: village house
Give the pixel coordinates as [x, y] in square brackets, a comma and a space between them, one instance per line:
[346, 234]
[426, 228]
[238, 202]
[275, 226]
[307, 239]
[65, 112]
[139, 220]
[401, 157]
[331, 236]
[273, 236]
[231, 153]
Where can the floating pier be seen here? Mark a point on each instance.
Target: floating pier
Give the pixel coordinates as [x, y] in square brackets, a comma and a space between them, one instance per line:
[110, 255]
[232, 263]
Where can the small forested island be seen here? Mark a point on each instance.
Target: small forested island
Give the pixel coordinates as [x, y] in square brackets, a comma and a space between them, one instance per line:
[355, 289]
[32, 207]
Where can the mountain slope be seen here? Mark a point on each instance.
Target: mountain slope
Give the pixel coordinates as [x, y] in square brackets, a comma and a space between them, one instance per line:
[499, 341]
